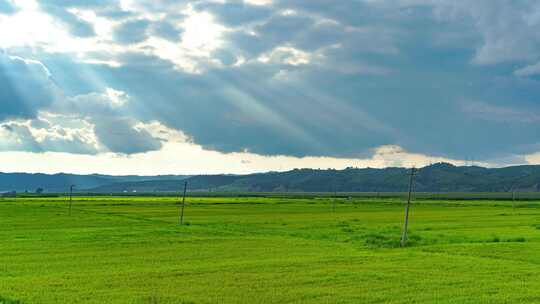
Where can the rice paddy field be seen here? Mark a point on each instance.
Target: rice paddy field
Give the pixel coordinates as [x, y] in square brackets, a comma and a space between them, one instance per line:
[268, 250]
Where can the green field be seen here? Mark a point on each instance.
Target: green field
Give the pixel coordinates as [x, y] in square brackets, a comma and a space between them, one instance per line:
[267, 250]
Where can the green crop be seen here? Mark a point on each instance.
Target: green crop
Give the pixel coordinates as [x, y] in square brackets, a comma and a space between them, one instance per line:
[267, 250]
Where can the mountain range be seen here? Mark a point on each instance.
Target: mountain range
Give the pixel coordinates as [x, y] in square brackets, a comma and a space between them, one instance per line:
[440, 177]
[61, 182]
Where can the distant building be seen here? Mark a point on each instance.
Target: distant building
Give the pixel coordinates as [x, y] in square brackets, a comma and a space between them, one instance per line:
[8, 194]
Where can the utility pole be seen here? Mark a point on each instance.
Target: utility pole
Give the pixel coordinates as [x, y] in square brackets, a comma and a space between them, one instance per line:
[407, 207]
[183, 204]
[70, 197]
[334, 198]
[514, 186]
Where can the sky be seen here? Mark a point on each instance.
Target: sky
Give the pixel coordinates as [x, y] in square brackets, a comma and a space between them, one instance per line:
[240, 86]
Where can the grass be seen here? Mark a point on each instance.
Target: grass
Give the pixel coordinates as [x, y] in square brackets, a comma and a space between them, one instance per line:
[267, 250]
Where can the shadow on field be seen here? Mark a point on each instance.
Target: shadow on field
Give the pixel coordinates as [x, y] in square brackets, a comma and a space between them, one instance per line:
[390, 237]
[392, 240]
[4, 300]
[154, 299]
[385, 237]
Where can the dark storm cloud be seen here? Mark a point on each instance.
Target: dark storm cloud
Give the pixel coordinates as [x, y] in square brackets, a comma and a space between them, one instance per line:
[284, 29]
[384, 84]
[446, 78]
[120, 136]
[247, 44]
[244, 109]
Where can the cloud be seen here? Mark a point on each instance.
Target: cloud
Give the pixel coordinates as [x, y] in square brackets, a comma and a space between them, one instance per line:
[132, 31]
[120, 135]
[166, 29]
[6, 7]
[497, 21]
[501, 113]
[39, 117]
[27, 136]
[501, 25]
[236, 12]
[530, 70]
[112, 125]
[79, 3]
[296, 78]
[17, 138]
[76, 26]
[281, 29]
[25, 87]
[195, 160]
[87, 133]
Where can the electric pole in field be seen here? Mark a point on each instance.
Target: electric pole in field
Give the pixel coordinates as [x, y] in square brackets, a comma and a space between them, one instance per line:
[183, 204]
[334, 198]
[70, 197]
[407, 207]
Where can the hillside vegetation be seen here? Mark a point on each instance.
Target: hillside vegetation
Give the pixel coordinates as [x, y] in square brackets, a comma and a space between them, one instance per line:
[440, 177]
[60, 182]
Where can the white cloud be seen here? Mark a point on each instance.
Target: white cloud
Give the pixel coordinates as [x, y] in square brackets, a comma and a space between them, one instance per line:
[102, 26]
[258, 2]
[117, 98]
[509, 32]
[41, 135]
[202, 34]
[533, 158]
[530, 70]
[109, 102]
[187, 158]
[286, 55]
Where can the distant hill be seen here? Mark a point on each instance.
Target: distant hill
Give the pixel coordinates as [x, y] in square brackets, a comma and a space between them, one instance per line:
[60, 182]
[201, 183]
[441, 177]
